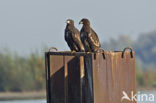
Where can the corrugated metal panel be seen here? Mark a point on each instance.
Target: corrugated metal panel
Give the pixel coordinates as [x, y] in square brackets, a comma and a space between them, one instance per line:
[89, 78]
[112, 76]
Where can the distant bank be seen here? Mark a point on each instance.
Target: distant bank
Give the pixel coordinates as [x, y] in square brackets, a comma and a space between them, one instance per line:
[22, 95]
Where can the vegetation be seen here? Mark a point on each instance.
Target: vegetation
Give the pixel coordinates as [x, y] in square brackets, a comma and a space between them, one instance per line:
[20, 73]
[145, 49]
[144, 46]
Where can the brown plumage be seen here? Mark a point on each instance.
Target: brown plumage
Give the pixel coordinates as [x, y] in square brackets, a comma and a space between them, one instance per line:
[89, 37]
[72, 37]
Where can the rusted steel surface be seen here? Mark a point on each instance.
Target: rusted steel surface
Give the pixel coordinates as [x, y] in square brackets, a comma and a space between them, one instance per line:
[63, 78]
[112, 76]
[88, 95]
[73, 80]
[57, 79]
[90, 78]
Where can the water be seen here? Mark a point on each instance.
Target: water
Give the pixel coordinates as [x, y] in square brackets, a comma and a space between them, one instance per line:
[44, 101]
[25, 101]
[148, 98]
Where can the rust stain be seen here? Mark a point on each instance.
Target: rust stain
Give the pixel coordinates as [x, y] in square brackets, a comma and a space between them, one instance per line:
[107, 77]
[82, 72]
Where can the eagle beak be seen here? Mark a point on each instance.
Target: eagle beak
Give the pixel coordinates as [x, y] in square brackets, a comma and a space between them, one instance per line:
[67, 22]
[80, 22]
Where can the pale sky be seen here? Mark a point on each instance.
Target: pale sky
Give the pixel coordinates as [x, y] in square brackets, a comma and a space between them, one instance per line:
[27, 24]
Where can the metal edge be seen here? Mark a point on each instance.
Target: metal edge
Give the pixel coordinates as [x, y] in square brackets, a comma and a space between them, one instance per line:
[47, 68]
[92, 77]
[68, 53]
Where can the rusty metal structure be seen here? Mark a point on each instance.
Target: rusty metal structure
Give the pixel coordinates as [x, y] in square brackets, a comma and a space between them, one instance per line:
[90, 78]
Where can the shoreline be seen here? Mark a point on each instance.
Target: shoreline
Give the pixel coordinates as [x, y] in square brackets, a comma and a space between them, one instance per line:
[4, 96]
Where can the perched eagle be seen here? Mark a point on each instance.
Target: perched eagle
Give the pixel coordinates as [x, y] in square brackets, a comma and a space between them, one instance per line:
[89, 38]
[72, 37]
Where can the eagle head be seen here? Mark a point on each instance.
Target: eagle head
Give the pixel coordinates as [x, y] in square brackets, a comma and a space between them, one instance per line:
[70, 21]
[84, 21]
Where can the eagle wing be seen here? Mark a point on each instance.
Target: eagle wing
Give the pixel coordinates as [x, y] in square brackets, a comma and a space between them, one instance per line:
[93, 39]
[77, 40]
[69, 40]
[84, 40]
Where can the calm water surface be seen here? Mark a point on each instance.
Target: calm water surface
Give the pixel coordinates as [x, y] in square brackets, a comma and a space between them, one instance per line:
[25, 101]
[44, 101]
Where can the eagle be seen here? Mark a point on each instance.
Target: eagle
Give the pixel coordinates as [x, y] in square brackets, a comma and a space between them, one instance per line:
[89, 37]
[72, 37]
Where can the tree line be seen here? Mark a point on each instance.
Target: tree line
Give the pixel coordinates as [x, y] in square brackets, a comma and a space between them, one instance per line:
[27, 73]
[19, 73]
[145, 52]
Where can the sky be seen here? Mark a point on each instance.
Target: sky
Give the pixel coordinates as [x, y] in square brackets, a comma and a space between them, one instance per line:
[26, 25]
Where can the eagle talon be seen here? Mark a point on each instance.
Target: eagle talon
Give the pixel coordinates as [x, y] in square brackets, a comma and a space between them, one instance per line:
[73, 52]
[88, 52]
